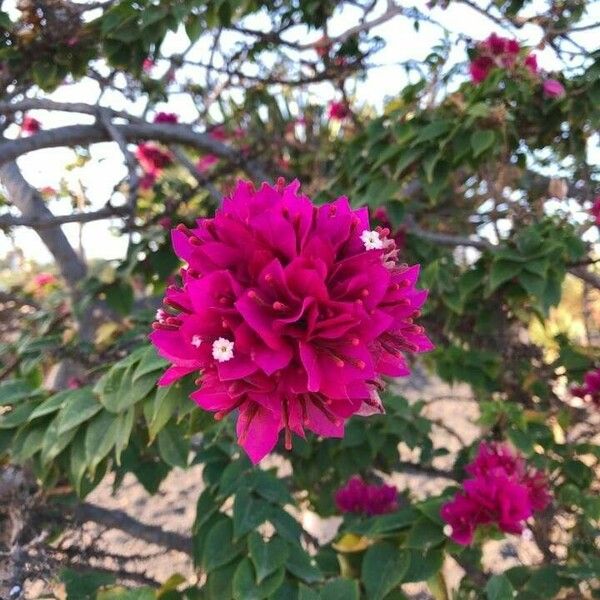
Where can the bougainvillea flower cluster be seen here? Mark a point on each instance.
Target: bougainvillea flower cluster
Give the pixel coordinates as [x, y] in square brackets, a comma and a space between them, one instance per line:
[502, 491]
[595, 210]
[553, 88]
[500, 52]
[153, 161]
[590, 390]
[291, 312]
[166, 117]
[30, 125]
[338, 111]
[359, 497]
[220, 134]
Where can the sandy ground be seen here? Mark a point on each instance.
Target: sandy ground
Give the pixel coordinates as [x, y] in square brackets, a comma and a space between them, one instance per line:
[174, 506]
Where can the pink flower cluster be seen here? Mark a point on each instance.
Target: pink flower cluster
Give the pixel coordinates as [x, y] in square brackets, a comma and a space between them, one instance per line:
[41, 280]
[220, 134]
[292, 313]
[338, 111]
[359, 497]
[595, 210]
[500, 52]
[30, 125]
[166, 117]
[501, 492]
[590, 390]
[153, 161]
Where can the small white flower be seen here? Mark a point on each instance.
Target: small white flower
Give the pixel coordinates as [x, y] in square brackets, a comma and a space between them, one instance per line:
[371, 240]
[447, 530]
[161, 315]
[196, 341]
[222, 350]
[527, 534]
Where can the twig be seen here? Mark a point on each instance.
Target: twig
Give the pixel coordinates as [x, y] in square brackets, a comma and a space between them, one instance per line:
[117, 136]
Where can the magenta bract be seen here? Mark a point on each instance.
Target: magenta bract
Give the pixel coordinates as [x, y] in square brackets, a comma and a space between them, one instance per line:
[502, 491]
[359, 497]
[291, 312]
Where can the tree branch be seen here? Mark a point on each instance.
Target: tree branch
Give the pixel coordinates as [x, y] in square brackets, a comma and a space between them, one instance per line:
[166, 133]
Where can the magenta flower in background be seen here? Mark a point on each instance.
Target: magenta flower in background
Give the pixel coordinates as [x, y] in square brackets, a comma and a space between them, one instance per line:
[206, 162]
[166, 117]
[30, 125]
[359, 497]
[43, 279]
[480, 68]
[292, 313]
[147, 65]
[338, 111]
[531, 63]
[152, 158]
[148, 179]
[503, 491]
[590, 390]
[595, 210]
[553, 88]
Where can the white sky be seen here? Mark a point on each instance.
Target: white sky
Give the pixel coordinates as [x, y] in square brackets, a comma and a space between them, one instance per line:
[47, 167]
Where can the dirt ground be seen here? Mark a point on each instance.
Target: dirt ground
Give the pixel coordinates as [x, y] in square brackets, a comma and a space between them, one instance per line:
[173, 507]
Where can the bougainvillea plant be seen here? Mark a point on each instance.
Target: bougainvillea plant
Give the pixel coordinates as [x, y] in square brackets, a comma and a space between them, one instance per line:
[382, 384]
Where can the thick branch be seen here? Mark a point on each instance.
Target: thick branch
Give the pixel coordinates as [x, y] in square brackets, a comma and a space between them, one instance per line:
[165, 133]
[117, 519]
[32, 207]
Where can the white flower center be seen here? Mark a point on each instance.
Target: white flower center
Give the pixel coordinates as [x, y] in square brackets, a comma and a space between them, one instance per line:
[161, 315]
[196, 341]
[371, 240]
[222, 350]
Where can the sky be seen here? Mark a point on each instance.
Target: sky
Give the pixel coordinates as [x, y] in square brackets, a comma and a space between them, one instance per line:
[98, 177]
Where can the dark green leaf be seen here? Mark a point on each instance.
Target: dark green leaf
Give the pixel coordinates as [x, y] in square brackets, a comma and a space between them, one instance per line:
[383, 568]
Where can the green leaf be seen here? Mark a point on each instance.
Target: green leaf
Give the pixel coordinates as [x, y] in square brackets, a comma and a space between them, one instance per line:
[122, 593]
[173, 447]
[302, 566]
[220, 546]
[246, 588]
[306, 593]
[341, 589]
[499, 588]
[423, 564]
[425, 534]
[248, 513]
[54, 443]
[501, 272]
[13, 390]
[100, 437]
[149, 363]
[27, 442]
[383, 568]
[124, 432]
[219, 582]
[481, 140]
[161, 407]
[266, 557]
[50, 405]
[193, 27]
[79, 406]
[433, 130]
[18, 415]
[83, 585]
